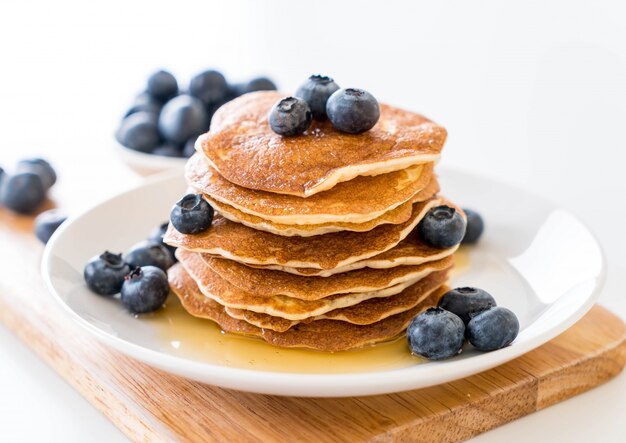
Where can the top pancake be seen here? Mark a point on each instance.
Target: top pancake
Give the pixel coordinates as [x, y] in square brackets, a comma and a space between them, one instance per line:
[242, 147]
[356, 201]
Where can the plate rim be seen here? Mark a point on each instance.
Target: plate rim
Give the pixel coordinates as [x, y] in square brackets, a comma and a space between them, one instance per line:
[315, 384]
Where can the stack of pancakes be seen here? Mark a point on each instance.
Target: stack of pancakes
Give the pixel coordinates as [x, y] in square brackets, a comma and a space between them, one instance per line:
[313, 243]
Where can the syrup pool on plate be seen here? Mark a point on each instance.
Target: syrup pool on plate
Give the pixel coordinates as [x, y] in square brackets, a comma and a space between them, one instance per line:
[202, 340]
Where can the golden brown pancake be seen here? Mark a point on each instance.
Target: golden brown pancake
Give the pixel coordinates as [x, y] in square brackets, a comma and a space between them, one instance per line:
[365, 313]
[227, 294]
[398, 215]
[356, 201]
[410, 251]
[246, 245]
[267, 283]
[242, 147]
[321, 335]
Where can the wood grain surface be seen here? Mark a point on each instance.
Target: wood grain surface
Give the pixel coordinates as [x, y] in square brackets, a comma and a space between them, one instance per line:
[150, 405]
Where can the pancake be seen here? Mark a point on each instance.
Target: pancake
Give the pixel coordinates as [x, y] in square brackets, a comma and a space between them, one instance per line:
[321, 335]
[356, 201]
[365, 313]
[267, 283]
[242, 147]
[246, 245]
[227, 294]
[398, 215]
[410, 251]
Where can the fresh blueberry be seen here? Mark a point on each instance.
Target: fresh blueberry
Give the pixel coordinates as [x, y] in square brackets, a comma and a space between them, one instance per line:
[466, 302]
[190, 147]
[210, 87]
[183, 117]
[104, 274]
[191, 214]
[40, 167]
[139, 131]
[145, 289]
[157, 236]
[492, 329]
[290, 116]
[149, 253]
[259, 84]
[475, 226]
[436, 334]
[162, 86]
[146, 103]
[168, 150]
[442, 227]
[352, 110]
[47, 222]
[316, 91]
[23, 192]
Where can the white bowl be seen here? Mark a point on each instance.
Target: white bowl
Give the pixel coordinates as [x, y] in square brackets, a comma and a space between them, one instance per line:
[148, 164]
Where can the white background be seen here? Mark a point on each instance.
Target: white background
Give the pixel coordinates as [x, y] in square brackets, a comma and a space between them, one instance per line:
[532, 93]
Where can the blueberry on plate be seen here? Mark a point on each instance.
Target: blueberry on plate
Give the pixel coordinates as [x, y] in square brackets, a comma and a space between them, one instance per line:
[149, 253]
[168, 150]
[162, 86]
[492, 329]
[352, 110]
[47, 222]
[157, 235]
[40, 167]
[190, 147]
[191, 214]
[183, 117]
[22, 193]
[210, 87]
[436, 334]
[290, 116]
[259, 84]
[144, 289]
[466, 302]
[316, 91]
[104, 274]
[139, 131]
[146, 103]
[442, 227]
[475, 226]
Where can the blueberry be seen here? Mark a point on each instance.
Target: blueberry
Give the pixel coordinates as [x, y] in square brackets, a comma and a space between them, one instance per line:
[466, 302]
[182, 118]
[40, 167]
[436, 334]
[191, 214]
[47, 222]
[104, 274]
[290, 116]
[22, 193]
[168, 150]
[162, 86]
[139, 131]
[316, 91]
[157, 236]
[475, 226]
[492, 329]
[145, 102]
[210, 87]
[442, 227]
[145, 289]
[149, 253]
[352, 110]
[259, 84]
[190, 147]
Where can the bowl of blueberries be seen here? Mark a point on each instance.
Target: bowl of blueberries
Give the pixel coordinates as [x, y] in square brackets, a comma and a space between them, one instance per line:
[159, 130]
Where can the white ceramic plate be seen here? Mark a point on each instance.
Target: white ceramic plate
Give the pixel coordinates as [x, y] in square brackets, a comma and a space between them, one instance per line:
[147, 164]
[536, 259]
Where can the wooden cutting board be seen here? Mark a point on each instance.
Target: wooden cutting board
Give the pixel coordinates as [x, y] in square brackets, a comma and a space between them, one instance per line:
[148, 404]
